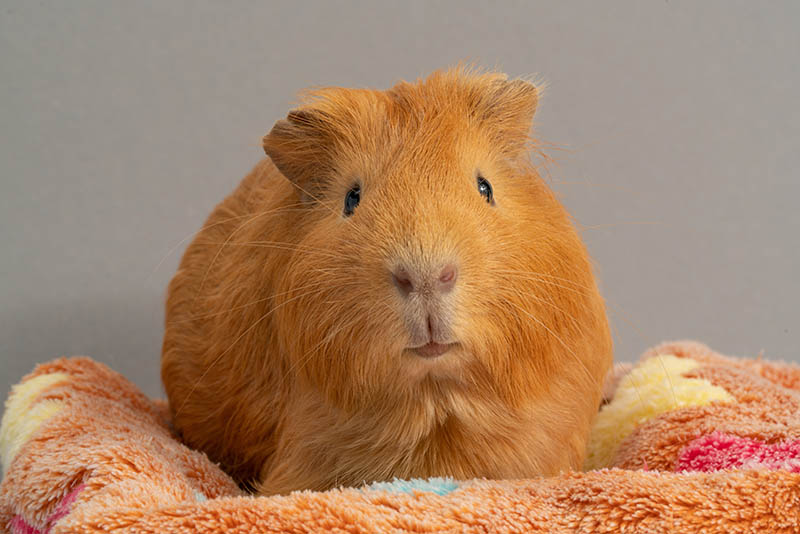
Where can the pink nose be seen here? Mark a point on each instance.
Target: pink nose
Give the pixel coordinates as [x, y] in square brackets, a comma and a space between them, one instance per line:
[411, 280]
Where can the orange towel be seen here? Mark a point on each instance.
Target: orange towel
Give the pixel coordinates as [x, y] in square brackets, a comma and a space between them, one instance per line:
[84, 451]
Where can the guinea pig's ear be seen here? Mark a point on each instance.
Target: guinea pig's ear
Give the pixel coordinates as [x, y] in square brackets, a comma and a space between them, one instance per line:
[508, 111]
[299, 146]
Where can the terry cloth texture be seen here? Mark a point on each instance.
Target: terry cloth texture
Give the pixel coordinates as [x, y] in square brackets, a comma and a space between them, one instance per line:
[690, 441]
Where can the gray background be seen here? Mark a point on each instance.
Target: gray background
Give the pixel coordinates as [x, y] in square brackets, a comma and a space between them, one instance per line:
[123, 123]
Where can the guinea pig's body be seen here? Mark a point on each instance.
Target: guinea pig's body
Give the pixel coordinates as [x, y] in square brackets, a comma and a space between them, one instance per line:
[395, 292]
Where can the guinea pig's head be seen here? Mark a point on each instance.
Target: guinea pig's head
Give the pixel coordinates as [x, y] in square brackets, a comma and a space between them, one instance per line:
[431, 256]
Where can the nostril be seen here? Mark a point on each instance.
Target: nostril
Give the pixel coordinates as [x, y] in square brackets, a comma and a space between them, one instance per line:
[402, 280]
[448, 277]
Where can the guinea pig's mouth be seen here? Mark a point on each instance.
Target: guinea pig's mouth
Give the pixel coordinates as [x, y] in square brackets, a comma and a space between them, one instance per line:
[432, 349]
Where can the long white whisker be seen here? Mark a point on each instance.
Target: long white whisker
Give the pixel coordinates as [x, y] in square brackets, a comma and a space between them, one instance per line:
[561, 341]
[206, 227]
[219, 357]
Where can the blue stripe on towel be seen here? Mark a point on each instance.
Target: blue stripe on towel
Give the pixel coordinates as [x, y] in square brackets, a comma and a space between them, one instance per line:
[439, 486]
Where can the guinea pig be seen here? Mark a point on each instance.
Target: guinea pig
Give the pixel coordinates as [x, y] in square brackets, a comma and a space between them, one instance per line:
[393, 292]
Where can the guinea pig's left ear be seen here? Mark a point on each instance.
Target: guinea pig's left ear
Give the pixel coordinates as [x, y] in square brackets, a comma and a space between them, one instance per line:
[299, 145]
[508, 110]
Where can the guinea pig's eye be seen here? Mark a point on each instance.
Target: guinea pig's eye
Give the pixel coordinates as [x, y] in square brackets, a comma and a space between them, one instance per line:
[351, 200]
[485, 189]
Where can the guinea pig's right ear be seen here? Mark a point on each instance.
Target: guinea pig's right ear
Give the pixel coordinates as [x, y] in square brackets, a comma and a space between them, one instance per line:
[299, 146]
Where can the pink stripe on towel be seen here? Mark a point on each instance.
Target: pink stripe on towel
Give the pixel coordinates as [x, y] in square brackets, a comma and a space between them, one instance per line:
[18, 524]
[718, 451]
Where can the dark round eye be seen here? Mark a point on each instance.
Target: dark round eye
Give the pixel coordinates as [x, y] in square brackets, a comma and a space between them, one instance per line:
[485, 189]
[351, 200]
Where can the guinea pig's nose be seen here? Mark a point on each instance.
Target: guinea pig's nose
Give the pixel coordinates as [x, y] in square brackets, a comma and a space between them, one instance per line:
[402, 279]
[447, 278]
[439, 280]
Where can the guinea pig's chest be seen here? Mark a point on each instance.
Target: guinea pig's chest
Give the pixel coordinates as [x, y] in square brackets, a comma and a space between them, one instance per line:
[440, 437]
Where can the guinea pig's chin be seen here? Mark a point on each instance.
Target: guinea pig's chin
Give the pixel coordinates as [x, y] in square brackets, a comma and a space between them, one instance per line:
[448, 365]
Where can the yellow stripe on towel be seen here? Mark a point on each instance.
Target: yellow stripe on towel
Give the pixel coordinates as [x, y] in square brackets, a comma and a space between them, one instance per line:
[655, 386]
[22, 418]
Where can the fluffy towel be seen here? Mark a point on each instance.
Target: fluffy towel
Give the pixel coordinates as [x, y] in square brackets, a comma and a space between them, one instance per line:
[690, 441]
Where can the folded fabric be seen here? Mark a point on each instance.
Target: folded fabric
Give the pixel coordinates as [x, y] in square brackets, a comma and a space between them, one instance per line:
[689, 441]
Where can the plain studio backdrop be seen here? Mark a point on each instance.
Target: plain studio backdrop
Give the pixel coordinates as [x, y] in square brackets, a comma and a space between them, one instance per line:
[124, 123]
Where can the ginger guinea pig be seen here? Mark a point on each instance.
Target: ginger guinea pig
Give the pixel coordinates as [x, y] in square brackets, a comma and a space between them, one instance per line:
[394, 292]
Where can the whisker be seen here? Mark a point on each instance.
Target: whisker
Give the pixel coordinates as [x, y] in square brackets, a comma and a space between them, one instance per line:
[547, 275]
[616, 309]
[588, 183]
[214, 259]
[357, 231]
[206, 227]
[621, 223]
[307, 356]
[251, 303]
[555, 284]
[219, 357]
[351, 322]
[553, 305]
[563, 344]
[278, 245]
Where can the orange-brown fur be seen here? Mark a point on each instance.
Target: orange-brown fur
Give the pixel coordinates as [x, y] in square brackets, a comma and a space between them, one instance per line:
[285, 351]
